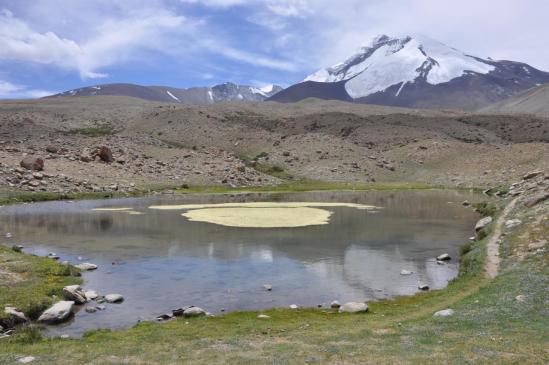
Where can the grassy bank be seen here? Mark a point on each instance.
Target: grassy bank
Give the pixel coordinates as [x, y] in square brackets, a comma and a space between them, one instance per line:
[30, 283]
[490, 325]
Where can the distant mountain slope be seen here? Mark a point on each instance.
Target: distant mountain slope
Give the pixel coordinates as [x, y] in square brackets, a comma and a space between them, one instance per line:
[196, 95]
[533, 101]
[416, 72]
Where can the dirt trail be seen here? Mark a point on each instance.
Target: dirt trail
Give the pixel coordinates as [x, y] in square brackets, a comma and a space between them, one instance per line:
[492, 247]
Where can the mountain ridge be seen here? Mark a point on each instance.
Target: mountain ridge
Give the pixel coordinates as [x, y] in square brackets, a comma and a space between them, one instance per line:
[416, 72]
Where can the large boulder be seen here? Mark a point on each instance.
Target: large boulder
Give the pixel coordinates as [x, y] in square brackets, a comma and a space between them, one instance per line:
[32, 163]
[59, 312]
[353, 307]
[75, 293]
[483, 223]
[105, 154]
[86, 266]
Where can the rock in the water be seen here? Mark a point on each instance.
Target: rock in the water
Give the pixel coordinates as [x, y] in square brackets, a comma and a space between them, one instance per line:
[536, 199]
[32, 163]
[59, 312]
[91, 294]
[194, 312]
[114, 298]
[17, 248]
[444, 313]
[164, 317]
[101, 307]
[263, 316]
[444, 257]
[353, 307]
[15, 315]
[75, 294]
[335, 304]
[268, 287]
[405, 272]
[105, 154]
[91, 309]
[482, 223]
[423, 287]
[466, 203]
[86, 266]
[53, 256]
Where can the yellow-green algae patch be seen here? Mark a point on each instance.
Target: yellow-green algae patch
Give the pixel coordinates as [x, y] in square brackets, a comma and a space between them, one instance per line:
[262, 217]
[263, 205]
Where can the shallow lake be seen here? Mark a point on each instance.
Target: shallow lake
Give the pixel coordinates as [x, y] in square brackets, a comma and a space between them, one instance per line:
[161, 258]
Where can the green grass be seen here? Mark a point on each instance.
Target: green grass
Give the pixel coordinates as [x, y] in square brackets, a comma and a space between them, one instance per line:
[31, 282]
[97, 131]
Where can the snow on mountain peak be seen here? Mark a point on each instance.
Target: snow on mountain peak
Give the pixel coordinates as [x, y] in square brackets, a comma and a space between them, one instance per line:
[393, 61]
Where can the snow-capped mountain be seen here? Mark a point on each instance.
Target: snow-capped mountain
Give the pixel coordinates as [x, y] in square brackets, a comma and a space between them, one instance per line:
[417, 72]
[196, 95]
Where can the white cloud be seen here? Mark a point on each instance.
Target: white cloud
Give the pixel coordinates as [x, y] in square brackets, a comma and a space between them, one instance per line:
[9, 90]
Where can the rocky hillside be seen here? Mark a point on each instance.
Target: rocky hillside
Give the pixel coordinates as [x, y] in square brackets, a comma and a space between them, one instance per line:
[533, 101]
[196, 95]
[418, 72]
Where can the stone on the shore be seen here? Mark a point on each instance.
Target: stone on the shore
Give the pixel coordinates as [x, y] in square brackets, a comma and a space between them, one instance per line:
[15, 315]
[293, 306]
[405, 272]
[263, 316]
[512, 223]
[114, 298]
[86, 266]
[444, 257]
[75, 294]
[353, 307]
[423, 286]
[483, 223]
[335, 304]
[444, 313]
[59, 312]
[194, 312]
[26, 359]
[466, 203]
[53, 256]
[32, 163]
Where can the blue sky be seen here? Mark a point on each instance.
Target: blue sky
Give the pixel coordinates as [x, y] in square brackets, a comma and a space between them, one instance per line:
[48, 46]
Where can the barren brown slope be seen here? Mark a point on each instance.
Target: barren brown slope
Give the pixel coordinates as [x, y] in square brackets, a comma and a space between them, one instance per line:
[534, 101]
[167, 144]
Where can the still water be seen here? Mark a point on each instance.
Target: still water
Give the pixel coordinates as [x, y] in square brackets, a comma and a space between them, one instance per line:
[160, 260]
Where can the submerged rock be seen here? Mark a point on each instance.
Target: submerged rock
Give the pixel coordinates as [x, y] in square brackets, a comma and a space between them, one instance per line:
[444, 313]
[91, 294]
[444, 257]
[75, 294]
[91, 309]
[114, 298]
[59, 312]
[353, 307]
[405, 272]
[268, 287]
